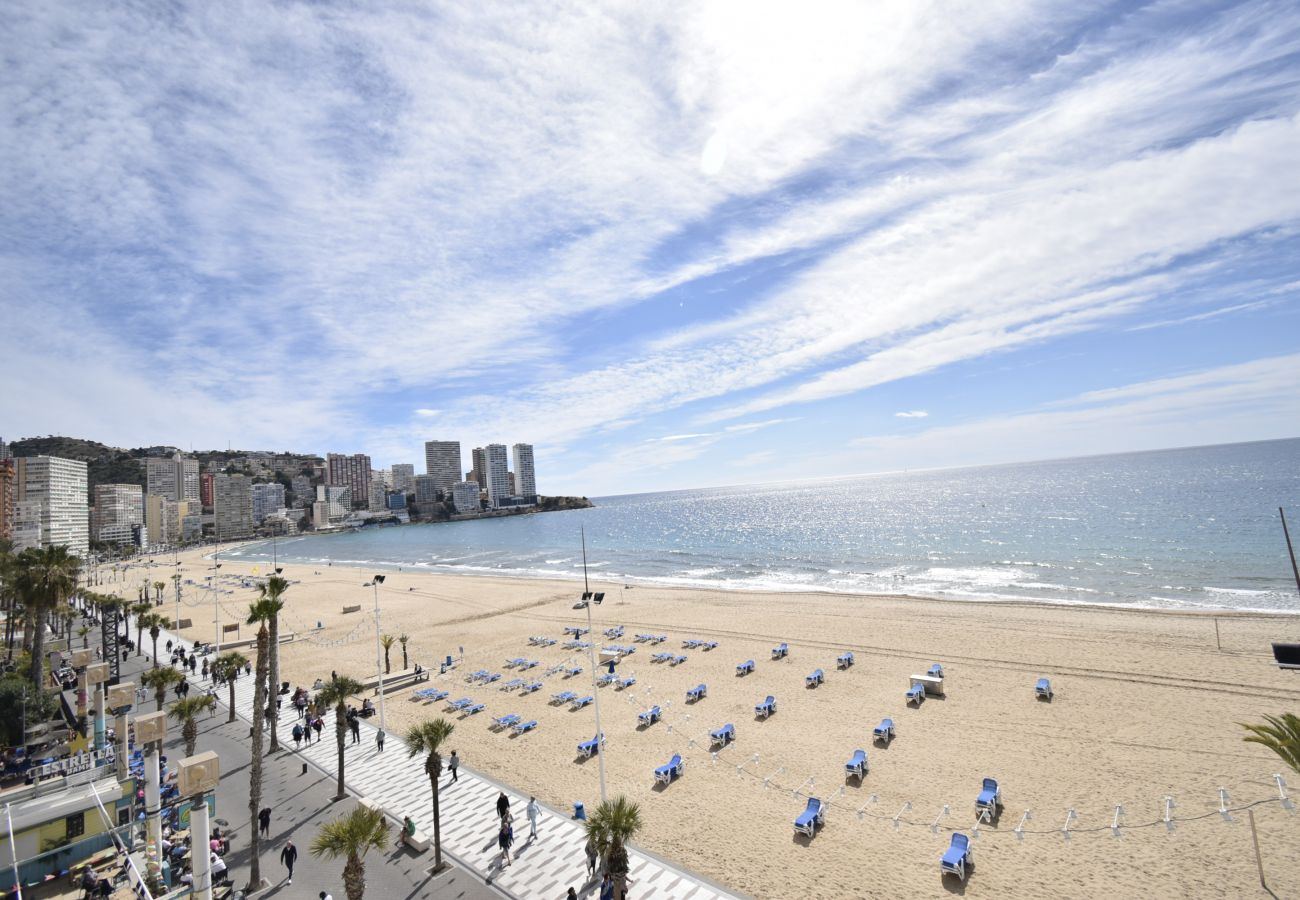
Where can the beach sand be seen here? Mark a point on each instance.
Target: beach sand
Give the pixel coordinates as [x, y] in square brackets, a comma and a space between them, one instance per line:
[1145, 708]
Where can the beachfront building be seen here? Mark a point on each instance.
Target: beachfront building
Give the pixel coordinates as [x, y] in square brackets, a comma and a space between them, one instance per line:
[7, 492]
[351, 472]
[442, 461]
[465, 496]
[426, 488]
[233, 507]
[478, 473]
[175, 477]
[205, 489]
[332, 505]
[378, 498]
[496, 474]
[404, 478]
[267, 498]
[525, 477]
[62, 514]
[25, 530]
[118, 514]
[164, 519]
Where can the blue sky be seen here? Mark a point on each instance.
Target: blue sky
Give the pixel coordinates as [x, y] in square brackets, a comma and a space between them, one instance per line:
[671, 245]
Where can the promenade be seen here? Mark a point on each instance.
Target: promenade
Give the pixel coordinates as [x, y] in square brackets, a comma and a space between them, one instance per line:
[543, 868]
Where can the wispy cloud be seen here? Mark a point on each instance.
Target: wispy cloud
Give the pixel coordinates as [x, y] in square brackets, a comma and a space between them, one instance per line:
[913, 414]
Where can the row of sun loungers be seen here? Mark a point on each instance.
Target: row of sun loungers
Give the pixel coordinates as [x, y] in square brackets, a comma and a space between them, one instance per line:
[576, 645]
[615, 632]
[618, 649]
[651, 638]
[699, 644]
[576, 631]
[520, 663]
[541, 641]
[672, 659]
[428, 694]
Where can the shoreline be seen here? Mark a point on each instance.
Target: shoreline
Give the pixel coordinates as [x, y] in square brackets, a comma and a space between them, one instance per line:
[639, 581]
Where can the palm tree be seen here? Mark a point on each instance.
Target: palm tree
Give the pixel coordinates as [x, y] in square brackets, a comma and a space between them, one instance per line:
[272, 591]
[1281, 735]
[157, 592]
[160, 679]
[387, 641]
[612, 825]
[8, 593]
[46, 577]
[227, 667]
[186, 711]
[155, 623]
[352, 836]
[259, 611]
[428, 738]
[140, 610]
[336, 693]
[402, 639]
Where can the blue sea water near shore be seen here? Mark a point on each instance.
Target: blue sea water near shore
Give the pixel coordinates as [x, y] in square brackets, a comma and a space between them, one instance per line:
[1193, 528]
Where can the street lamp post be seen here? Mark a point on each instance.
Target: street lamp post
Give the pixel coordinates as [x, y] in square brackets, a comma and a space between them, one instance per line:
[588, 598]
[379, 660]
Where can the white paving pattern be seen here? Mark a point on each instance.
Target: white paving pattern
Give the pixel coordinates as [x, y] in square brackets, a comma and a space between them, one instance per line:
[543, 868]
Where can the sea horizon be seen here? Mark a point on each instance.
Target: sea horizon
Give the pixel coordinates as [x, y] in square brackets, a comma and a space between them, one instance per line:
[1183, 528]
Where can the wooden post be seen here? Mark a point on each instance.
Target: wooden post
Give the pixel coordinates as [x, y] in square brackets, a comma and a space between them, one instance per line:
[1218, 645]
[1254, 837]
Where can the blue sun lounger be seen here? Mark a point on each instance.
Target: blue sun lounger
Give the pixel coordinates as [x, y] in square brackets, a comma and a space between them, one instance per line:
[857, 766]
[529, 664]
[745, 668]
[517, 661]
[697, 693]
[642, 637]
[563, 697]
[460, 704]
[525, 726]
[607, 678]
[663, 657]
[810, 818]
[506, 721]
[708, 645]
[476, 708]
[495, 676]
[935, 671]
[916, 694]
[530, 687]
[587, 748]
[678, 661]
[672, 769]
[570, 671]
[724, 735]
[1043, 689]
[766, 708]
[658, 638]
[884, 731]
[431, 694]
[691, 643]
[615, 632]
[580, 702]
[649, 717]
[957, 859]
[781, 650]
[477, 676]
[990, 798]
[845, 660]
[817, 677]
[625, 683]
[512, 684]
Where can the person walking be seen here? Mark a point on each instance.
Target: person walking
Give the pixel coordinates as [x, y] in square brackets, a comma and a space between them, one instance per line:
[592, 857]
[264, 821]
[607, 887]
[503, 806]
[379, 740]
[355, 724]
[454, 765]
[297, 735]
[532, 812]
[505, 837]
[289, 856]
[317, 724]
[572, 895]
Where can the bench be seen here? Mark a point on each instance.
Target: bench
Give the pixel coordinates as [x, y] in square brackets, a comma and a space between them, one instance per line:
[419, 841]
[351, 609]
[400, 680]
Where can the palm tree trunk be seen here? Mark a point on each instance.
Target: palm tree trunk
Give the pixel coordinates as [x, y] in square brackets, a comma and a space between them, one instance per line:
[231, 682]
[437, 825]
[155, 651]
[274, 661]
[340, 732]
[38, 649]
[255, 770]
[354, 878]
[190, 731]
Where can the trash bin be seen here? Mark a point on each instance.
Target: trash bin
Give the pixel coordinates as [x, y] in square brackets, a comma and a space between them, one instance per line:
[579, 810]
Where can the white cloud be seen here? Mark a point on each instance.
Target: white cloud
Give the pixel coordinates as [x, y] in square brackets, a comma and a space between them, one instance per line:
[913, 414]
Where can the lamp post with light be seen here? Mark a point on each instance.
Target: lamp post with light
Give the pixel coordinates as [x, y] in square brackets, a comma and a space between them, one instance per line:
[375, 582]
[588, 599]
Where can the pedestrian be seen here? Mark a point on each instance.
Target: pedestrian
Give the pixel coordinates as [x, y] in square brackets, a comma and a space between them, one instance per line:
[169, 645]
[454, 765]
[503, 841]
[264, 821]
[325, 896]
[317, 725]
[503, 805]
[194, 664]
[592, 857]
[379, 740]
[607, 887]
[289, 856]
[248, 668]
[532, 817]
[355, 724]
[297, 735]
[572, 895]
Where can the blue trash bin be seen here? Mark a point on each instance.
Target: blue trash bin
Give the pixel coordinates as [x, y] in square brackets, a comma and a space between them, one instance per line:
[579, 810]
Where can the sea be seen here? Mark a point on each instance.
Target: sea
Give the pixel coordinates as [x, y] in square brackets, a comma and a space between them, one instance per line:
[1193, 528]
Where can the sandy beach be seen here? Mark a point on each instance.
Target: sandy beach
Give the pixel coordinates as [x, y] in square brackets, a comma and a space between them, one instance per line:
[1145, 708]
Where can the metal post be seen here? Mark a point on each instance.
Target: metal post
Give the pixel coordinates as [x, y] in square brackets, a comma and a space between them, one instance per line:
[591, 656]
[13, 854]
[153, 799]
[123, 746]
[201, 862]
[1218, 645]
[1289, 548]
[379, 661]
[100, 690]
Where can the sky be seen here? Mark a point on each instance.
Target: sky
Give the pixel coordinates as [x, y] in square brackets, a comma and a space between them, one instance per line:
[670, 245]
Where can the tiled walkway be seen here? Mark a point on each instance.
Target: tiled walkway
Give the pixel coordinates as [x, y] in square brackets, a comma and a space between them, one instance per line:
[544, 868]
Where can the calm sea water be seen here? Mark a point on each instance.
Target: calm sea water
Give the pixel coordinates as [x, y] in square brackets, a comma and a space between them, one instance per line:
[1191, 528]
